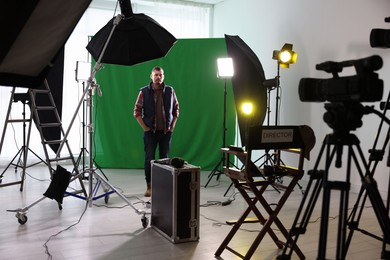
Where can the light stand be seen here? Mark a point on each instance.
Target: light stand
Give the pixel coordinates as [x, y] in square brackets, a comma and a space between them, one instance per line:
[277, 98]
[269, 104]
[225, 71]
[92, 173]
[273, 84]
[83, 71]
[284, 58]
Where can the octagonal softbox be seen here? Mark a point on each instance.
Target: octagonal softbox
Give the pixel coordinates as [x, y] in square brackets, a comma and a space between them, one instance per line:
[247, 83]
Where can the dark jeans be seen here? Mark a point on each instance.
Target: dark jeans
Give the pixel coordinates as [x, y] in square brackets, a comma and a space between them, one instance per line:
[151, 140]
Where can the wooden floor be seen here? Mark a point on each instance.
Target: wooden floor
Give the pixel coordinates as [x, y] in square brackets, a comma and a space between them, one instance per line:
[114, 230]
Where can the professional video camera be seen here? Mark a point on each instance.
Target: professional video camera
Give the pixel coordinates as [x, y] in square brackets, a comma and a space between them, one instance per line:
[344, 112]
[365, 86]
[380, 38]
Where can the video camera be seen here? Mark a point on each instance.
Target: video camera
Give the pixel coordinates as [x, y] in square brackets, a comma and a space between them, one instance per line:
[365, 86]
[344, 112]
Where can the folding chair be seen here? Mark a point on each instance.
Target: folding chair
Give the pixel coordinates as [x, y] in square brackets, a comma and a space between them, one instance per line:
[298, 140]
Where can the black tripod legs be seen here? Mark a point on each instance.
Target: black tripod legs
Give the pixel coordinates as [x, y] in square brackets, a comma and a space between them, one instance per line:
[302, 218]
[319, 181]
[215, 172]
[369, 189]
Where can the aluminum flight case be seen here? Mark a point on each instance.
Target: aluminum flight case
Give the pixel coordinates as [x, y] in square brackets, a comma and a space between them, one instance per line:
[175, 201]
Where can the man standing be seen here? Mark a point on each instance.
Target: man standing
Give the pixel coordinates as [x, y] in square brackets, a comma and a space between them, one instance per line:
[156, 110]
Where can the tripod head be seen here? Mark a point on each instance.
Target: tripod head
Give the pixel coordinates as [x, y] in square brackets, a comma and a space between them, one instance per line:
[344, 117]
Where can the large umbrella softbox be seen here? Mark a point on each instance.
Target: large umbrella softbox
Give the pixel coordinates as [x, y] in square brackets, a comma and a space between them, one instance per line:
[247, 83]
[136, 39]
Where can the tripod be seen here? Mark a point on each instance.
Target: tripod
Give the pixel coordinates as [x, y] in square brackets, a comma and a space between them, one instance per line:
[334, 144]
[84, 151]
[23, 151]
[217, 169]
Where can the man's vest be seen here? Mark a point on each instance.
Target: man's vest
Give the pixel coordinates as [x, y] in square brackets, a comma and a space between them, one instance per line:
[149, 109]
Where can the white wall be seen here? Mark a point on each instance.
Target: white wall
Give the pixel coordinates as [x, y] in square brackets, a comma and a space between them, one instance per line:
[320, 31]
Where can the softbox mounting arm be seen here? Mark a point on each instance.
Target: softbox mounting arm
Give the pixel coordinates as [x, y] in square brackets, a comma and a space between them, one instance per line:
[89, 89]
[90, 81]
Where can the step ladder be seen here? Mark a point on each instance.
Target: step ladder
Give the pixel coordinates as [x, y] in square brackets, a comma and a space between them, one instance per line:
[41, 114]
[46, 117]
[20, 158]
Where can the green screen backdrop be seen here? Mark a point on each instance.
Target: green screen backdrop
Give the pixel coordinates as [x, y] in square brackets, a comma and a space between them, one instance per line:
[190, 68]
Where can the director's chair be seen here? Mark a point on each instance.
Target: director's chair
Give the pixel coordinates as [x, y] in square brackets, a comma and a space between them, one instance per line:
[252, 182]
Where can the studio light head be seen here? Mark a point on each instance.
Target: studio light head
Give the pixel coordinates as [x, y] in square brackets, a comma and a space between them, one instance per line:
[225, 68]
[380, 38]
[365, 86]
[285, 56]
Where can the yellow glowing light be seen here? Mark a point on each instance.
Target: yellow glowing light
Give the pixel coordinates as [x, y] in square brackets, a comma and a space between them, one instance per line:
[247, 108]
[285, 56]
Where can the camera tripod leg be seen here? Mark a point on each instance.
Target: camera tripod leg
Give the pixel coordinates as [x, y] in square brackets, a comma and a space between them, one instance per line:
[369, 189]
[349, 141]
[386, 253]
[306, 207]
[376, 200]
[343, 186]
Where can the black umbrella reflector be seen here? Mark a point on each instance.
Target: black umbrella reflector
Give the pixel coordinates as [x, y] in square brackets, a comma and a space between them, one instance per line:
[58, 184]
[32, 34]
[135, 39]
[247, 83]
